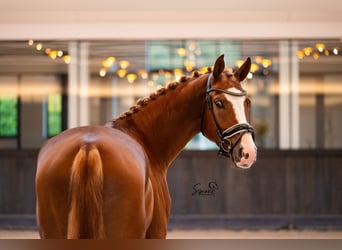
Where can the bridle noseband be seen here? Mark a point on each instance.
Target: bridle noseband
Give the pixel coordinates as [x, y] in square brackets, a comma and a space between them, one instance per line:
[225, 144]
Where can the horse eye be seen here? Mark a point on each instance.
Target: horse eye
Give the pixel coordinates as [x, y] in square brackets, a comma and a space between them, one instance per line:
[219, 104]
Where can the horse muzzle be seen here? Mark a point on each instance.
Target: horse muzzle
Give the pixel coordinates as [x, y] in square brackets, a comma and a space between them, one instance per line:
[244, 154]
[242, 151]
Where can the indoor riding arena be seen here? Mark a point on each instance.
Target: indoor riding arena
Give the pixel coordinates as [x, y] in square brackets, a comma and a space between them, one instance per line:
[178, 120]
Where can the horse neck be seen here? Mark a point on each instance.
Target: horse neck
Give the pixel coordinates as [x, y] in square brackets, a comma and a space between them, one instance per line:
[166, 124]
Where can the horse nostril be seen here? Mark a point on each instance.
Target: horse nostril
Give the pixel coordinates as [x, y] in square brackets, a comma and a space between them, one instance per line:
[241, 152]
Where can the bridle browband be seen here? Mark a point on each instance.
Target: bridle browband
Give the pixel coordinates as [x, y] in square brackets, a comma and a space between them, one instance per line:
[225, 144]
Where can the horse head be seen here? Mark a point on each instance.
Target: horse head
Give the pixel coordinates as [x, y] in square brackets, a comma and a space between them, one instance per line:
[225, 121]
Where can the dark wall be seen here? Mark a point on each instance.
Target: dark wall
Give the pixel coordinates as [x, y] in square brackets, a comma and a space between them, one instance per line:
[17, 175]
[281, 182]
[287, 183]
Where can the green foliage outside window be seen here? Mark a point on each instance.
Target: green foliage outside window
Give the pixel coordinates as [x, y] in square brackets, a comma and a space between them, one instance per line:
[8, 116]
[54, 114]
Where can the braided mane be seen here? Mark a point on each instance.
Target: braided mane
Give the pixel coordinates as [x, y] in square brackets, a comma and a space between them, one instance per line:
[143, 102]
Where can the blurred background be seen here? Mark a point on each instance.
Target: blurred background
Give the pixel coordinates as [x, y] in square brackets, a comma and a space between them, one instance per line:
[85, 62]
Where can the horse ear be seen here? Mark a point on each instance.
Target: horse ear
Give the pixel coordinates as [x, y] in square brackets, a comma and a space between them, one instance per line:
[243, 71]
[219, 67]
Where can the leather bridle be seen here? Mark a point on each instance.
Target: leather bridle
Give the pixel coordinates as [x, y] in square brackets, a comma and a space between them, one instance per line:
[225, 144]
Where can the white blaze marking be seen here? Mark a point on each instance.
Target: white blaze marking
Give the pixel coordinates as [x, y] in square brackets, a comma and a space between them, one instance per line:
[247, 143]
[238, 105]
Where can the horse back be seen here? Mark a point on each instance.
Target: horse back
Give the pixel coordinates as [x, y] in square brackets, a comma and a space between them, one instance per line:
[115, 147]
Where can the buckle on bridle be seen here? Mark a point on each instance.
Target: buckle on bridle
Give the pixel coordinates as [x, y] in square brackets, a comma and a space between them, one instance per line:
[225, 147]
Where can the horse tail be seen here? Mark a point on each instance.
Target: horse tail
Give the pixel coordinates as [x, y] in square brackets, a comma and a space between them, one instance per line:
[85, 219]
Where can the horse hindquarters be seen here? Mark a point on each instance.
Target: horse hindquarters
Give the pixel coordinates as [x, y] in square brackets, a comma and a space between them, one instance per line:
[96, 190]
[85, 219]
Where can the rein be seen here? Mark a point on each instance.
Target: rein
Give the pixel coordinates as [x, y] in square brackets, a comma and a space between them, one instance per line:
[225, 144]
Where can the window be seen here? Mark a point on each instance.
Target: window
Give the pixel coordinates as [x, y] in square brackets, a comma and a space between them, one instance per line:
[8, 116]
[54, 116]
[294, 85]
[320, 94]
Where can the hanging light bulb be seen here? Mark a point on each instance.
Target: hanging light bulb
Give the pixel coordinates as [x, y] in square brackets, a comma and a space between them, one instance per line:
[150, 84]
[131, 77]
[111, 59]
[53, 54]
[254, 67]
[300, 54]
[315, 55]
[266, 63]
[320, 47]
[143, 74]
[102, 72]
[335, 51]
[121, 73]
[189, 65]
[47, 51]
[177, 72]
[203, 70]
[239, 63]
[67, 59]
[30, 42]
[124, 64]
[307, 51]
[167, 75]
[258, 60]
[108, 62]
[181, 52]
[39, 46]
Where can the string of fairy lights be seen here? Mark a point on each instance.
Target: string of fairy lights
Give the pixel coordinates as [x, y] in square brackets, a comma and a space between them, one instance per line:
[52, 53]
[317, 50]
[111, 66]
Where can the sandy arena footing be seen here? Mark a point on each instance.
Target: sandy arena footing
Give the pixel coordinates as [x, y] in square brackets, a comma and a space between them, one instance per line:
[210, 234]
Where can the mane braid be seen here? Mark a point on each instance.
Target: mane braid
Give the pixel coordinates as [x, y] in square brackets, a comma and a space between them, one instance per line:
[143, 102]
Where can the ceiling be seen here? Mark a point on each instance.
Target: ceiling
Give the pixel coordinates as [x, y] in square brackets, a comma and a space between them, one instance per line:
[291, 7]
[156, 19]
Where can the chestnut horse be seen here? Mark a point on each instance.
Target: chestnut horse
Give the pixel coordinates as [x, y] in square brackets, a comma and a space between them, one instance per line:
[110, 181]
